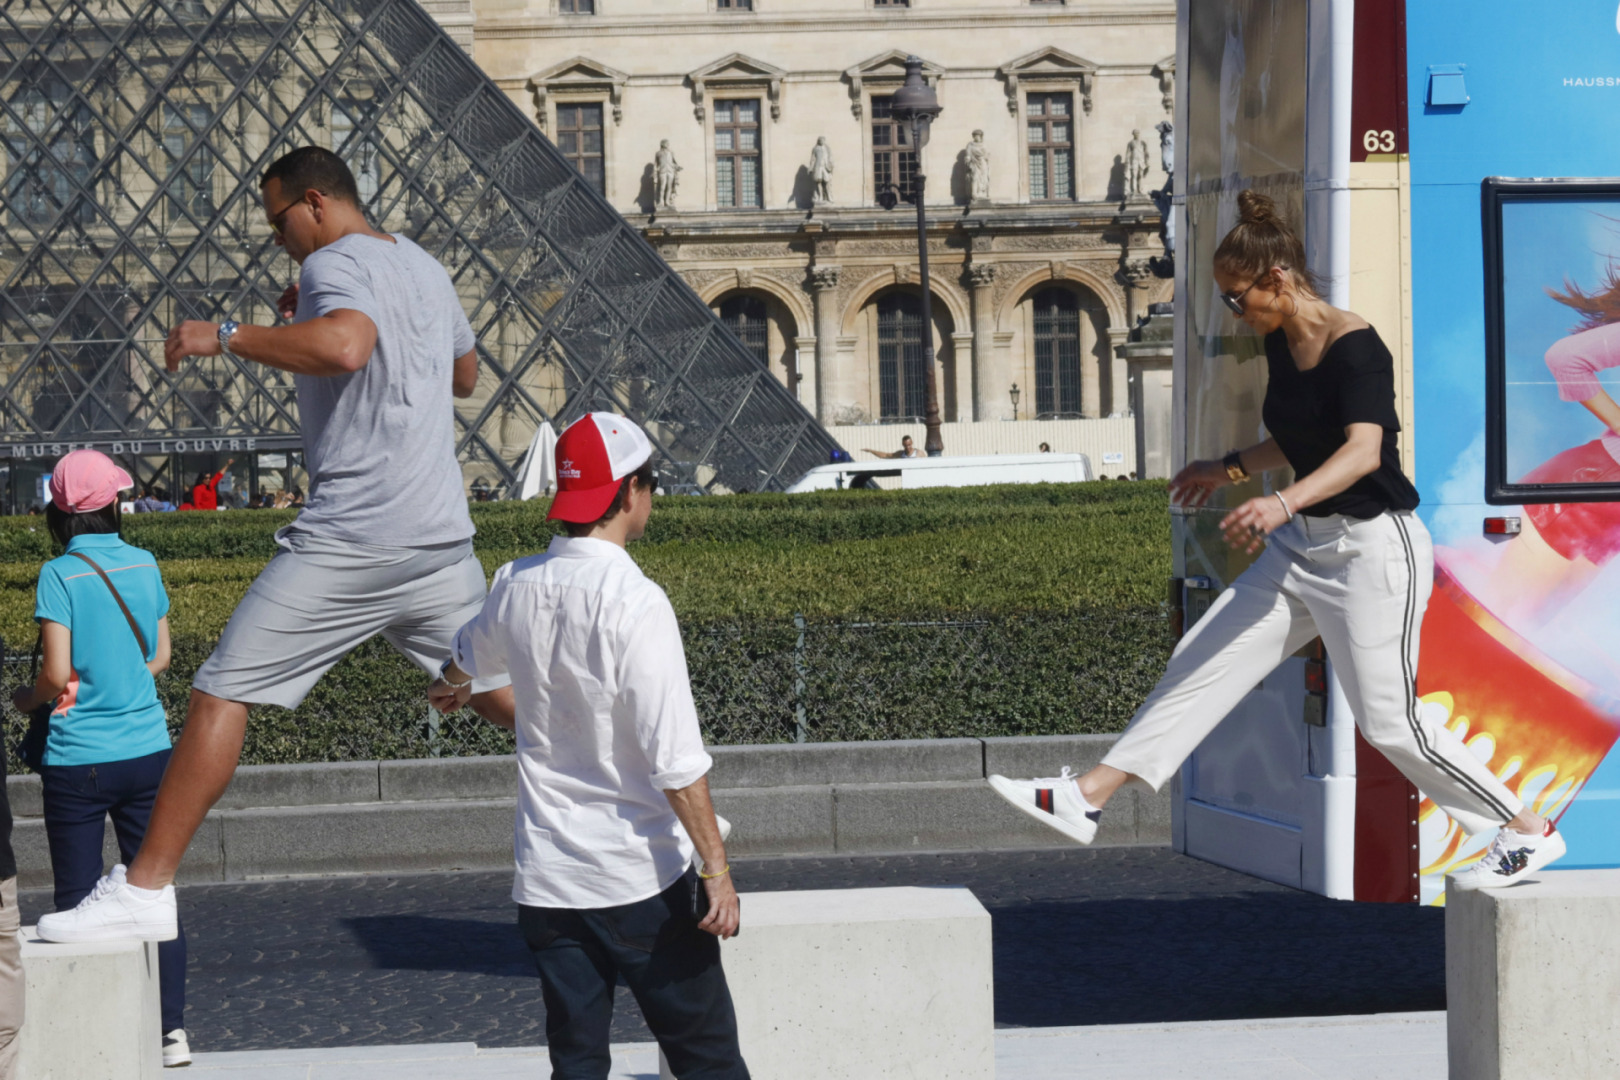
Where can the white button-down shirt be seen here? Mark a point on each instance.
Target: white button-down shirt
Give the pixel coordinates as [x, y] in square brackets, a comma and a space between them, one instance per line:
[605, 723]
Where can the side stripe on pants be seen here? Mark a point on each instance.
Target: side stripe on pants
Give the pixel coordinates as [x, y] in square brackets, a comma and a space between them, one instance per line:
[1413, 717]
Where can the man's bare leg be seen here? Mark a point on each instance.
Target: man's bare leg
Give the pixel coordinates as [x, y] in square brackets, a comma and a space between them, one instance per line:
[204, 761]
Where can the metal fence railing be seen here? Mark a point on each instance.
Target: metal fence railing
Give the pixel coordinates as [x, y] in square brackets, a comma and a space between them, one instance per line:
[759, 682]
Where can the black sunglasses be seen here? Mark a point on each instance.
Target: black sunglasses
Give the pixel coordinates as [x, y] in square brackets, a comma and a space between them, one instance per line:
[1234, 301]
[276, 224]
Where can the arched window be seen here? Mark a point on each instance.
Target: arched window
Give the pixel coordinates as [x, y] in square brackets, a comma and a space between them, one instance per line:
[1057, 354]
[902, 376]
[745, 317]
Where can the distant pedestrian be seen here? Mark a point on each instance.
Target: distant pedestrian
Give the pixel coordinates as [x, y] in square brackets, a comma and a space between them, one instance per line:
[147, 503]
[613, 791]
[907, 450]
[205, 492]
[104, 636]
[1046, 448]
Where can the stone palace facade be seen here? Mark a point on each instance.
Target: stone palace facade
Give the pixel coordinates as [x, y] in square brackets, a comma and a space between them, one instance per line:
[751, 142]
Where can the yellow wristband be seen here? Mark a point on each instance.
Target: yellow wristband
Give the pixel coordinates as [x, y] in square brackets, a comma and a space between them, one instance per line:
[717, 873]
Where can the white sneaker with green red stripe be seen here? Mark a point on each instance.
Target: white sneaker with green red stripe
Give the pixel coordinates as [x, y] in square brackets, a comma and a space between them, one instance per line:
[1055, 801]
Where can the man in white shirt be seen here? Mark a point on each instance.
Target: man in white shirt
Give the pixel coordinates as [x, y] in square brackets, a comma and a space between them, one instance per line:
[613, 795]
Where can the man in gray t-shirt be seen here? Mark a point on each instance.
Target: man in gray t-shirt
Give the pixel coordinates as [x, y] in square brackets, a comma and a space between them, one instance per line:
[378, 344]
[382, 439]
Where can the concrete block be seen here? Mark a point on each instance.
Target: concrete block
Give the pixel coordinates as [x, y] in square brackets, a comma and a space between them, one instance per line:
[861, 984]
[203, 862]
[381, 838]
[1153, 814]
[316, 784]
[92, 1011]
[425, 779]
[952, 816]
[892, 762]
[1533, 978]
[1024, 757]
[23, 792]
[777, 821]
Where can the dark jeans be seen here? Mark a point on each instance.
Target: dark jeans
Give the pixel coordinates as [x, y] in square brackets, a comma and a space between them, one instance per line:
[78, 799]
[671, 967]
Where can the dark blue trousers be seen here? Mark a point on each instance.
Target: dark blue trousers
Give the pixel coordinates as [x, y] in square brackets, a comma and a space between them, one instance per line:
[671, 967]
[78, 799]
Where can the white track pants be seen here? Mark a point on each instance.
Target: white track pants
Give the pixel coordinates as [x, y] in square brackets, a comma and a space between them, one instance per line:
[1361, 585]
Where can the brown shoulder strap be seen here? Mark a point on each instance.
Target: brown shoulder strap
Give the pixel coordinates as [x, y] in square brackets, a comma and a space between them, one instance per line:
[140, 638]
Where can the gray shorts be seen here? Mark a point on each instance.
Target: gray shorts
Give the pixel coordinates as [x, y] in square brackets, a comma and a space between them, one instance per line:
[319, 598]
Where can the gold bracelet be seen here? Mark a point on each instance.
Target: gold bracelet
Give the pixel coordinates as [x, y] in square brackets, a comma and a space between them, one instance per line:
[717, 873]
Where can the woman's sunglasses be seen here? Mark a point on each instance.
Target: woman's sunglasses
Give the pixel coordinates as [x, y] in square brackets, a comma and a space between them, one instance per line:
[1234, 301]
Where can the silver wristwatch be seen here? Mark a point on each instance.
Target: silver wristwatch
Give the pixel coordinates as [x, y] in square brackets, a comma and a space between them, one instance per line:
[226, 329]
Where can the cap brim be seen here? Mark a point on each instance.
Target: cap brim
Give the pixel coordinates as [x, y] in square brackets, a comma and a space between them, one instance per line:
[581, 507]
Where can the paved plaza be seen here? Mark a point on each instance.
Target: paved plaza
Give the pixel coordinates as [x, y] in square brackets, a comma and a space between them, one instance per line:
[1130, 961]
[1403, 1046]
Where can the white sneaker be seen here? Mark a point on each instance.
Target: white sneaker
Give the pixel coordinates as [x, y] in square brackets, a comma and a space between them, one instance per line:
[113, 912]
[176, 1050]
[1512, 857]
[1054, 801]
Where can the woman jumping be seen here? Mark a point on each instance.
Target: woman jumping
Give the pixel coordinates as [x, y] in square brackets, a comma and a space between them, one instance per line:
[1347, 559]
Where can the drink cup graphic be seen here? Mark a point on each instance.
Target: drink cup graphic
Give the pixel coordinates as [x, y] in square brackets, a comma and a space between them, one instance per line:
[1541, 729]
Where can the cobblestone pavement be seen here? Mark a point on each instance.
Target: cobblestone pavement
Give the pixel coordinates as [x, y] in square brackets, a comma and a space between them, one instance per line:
[1107, 936]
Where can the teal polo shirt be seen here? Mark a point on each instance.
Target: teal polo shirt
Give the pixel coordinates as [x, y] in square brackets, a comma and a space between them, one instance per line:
[110, 709]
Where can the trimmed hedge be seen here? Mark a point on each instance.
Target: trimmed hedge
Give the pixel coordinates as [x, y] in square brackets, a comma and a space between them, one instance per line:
[1024, 609]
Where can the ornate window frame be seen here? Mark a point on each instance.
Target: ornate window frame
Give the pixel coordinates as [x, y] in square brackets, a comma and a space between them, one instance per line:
[730, 77]
[581, 80]
[1049, 70]
[577, 79]
[882, 75]
[1165, 72]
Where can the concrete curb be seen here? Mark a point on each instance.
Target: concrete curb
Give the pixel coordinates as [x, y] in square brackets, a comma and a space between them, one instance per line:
[789, 799]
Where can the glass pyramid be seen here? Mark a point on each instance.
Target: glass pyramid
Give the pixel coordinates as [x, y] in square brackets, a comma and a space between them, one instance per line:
[132, 137]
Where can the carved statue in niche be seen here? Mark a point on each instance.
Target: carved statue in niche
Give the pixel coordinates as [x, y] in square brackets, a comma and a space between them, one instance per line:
[1136, 165]
[978, 168]
[1167, 146]
[821, 170]
[665, 175]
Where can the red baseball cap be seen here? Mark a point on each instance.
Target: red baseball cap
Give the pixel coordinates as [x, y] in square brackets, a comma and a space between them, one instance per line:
[594, 455]
[86, 480]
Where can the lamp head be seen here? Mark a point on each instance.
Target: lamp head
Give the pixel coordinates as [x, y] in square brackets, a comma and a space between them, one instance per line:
[915, 100]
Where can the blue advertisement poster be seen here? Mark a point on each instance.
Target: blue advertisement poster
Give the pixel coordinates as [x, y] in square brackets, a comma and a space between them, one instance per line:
[1521, 646]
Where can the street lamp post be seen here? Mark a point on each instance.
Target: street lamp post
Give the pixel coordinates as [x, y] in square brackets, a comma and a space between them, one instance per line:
[1015, 394]
[916, 104]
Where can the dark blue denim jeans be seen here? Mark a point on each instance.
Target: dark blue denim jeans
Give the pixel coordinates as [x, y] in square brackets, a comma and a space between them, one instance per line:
[78, 799]
[671, 967]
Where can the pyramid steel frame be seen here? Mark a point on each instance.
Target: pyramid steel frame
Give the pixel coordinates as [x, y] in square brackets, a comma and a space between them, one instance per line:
[132, 137]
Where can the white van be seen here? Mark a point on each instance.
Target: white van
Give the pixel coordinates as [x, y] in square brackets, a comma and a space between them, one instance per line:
[925, 472]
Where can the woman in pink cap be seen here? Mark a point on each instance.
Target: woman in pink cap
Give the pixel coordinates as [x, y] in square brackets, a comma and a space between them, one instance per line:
[104, 635]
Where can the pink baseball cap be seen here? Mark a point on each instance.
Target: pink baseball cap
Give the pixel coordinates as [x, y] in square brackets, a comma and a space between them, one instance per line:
[594, 455]
[86, 480]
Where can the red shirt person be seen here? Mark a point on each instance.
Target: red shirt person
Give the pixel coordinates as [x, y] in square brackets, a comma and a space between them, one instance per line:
[205, 492]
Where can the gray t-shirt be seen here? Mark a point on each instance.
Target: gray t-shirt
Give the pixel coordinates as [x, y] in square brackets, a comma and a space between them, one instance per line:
[380, 443]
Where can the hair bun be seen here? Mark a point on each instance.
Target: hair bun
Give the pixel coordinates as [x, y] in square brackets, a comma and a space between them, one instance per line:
[1256, 209]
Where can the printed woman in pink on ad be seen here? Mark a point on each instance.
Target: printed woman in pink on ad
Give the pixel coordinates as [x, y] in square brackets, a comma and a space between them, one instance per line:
[1564, 545]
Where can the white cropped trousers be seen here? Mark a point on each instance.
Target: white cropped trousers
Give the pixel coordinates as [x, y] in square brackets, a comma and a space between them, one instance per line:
[1363, 586]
